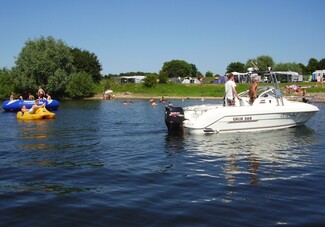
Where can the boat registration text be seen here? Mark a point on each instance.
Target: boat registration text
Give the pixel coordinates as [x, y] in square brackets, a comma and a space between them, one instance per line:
[236, 119]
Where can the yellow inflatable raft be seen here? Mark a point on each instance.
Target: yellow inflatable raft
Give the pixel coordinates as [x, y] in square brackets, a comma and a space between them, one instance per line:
[40, 113]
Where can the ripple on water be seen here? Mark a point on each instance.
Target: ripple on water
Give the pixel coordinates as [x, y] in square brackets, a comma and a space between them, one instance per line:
[102, 163]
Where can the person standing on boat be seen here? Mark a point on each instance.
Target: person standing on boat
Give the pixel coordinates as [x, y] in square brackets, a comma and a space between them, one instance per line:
[252, 92]
[230, 89]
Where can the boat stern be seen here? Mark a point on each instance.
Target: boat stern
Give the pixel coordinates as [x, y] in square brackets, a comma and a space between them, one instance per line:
[174, 117]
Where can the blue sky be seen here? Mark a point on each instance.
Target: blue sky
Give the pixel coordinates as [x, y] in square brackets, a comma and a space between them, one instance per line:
[140, 35]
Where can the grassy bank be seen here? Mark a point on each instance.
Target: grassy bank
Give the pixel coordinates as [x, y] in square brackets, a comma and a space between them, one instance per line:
[172, 89]
[193, 90]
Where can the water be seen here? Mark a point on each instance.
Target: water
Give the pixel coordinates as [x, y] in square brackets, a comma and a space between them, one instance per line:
[100, 163]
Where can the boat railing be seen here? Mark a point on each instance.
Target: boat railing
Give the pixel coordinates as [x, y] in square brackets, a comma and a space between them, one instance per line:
[277, 91]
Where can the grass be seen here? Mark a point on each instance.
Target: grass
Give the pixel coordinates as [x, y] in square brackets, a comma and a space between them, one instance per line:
[193, 90]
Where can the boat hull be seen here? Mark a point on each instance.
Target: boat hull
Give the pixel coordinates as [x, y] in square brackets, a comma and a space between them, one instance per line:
[40, 114]
[241, 119]
[15, 105]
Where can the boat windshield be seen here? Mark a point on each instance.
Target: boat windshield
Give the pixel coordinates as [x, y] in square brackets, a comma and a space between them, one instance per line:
[262, 91]
[270, 92]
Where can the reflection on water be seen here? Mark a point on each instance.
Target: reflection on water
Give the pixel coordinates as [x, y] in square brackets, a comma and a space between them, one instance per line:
[244, 158]
[49, 188]
[116, 163]
[47, 143]
[260, 156]
[38, 129]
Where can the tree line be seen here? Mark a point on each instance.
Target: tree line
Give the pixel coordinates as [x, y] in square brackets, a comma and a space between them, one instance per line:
[180, 68]
[263, 62]
[62, 71]
[68, 72]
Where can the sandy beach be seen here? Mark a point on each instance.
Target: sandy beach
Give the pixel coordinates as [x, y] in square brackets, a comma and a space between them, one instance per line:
[314, 97]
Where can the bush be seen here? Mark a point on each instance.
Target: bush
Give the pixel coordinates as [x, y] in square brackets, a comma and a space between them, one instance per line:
[150, 81]
[163, 78]
[81, 85]
[6, 84]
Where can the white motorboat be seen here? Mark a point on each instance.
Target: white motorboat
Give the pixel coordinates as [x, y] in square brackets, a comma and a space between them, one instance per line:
[269, 111]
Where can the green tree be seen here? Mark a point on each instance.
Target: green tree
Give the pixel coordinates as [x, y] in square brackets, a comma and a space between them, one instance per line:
[87, 62]
[177, 68]
[261, 62]
[288, 67]
[236, 67]
[303, 68]
[209, 74]
[251, 63]
[194, 71]
[321, 64]
[264, 61]
[6, 83]
[80, 85]
[23, 83]
[57, 83]
[163, 78]
[40, 61]
[312, 65]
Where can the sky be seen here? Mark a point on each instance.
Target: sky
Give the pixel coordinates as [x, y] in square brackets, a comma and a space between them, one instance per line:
[140, 35]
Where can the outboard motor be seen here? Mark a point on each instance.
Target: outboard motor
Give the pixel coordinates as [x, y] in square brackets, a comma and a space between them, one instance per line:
[174, 117]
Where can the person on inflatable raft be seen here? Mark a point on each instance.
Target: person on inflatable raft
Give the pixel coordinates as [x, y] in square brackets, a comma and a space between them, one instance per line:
[33, 109]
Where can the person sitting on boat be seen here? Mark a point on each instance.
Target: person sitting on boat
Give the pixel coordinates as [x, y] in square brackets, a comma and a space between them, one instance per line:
[231, 93]
[48, 97]
[31, 97]
[36, 106]
[40, 92]
[11, 96]
[24, 109]
[252, 92]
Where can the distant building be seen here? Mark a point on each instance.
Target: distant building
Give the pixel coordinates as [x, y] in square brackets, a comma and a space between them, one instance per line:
[244, 77]
[288, 76]
[132, 79]
[318, 75]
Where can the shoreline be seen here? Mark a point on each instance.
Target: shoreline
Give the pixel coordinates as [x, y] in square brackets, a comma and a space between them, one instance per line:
[318, 97]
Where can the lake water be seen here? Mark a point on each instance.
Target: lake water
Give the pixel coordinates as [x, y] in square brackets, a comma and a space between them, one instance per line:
[100, 163]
